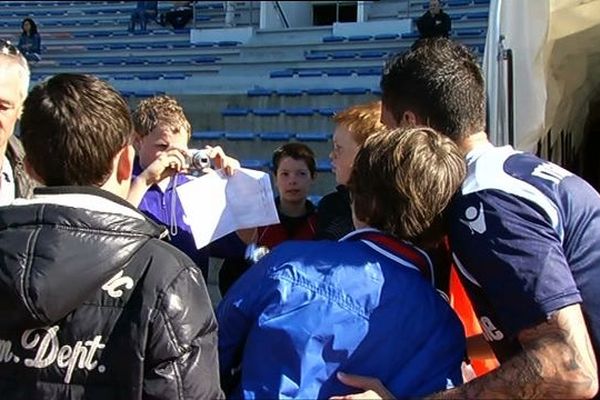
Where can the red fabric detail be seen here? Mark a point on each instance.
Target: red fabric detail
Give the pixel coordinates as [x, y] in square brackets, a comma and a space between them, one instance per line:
[272, 235]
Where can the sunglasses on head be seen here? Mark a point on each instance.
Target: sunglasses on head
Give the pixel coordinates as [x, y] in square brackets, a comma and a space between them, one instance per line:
[8, 49]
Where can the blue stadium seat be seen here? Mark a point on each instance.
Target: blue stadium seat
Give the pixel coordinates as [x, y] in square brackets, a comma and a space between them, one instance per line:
[95, 47]
[205, 59]
[324, 165]
[289, 92]
[456, 17]
[353, 90]
[320, 91]
[89, 61]
[276, 136]
[299, 111]
[478, 15]
[253, 163]
[174, 76]
[339, 72]
[479, 2]
[180, 45]
[266, 112]
[149, 76]
[328, 111]
[309, 73]
[68, 63]
[286, 73]
[240, 135]
[123, 77]
[342, 55]
[157, 62]
[359, 38]
[138, 46]
[208, 135]
[316, 56]
[113, 61]
[411, 35]
[203, 44]
[369, 71]
[468, 32]
[134, 61]
[259, 92]
[235, 112]
[228, 43]
[386, 36]
[332, 39]
[458, 3]
[372, 54]
[376, 91]
[313, 136]
[121, 34]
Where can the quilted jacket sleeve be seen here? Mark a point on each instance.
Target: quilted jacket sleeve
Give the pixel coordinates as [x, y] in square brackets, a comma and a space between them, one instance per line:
[183, 343]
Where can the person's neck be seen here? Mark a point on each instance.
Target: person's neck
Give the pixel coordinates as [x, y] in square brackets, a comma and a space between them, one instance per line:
[472, 142]
[292, 209]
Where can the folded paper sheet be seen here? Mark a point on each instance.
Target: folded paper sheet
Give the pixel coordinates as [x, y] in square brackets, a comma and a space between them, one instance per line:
[215, 205]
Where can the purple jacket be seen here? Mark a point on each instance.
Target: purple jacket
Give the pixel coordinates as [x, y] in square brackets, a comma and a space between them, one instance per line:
[159, 206]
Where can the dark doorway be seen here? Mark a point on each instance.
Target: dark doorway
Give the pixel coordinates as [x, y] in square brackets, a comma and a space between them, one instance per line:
[326, 13]
[591, 145]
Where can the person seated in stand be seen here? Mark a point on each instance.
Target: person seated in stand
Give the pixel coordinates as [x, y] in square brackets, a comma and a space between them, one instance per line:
[353, 127]
[434, 22]
[294, 167]
[179, 16]
[162, 135]
[30, 42]
[144, 11]
[363, 303]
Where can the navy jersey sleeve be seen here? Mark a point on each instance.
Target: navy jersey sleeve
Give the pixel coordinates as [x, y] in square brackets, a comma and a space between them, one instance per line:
[506, 247]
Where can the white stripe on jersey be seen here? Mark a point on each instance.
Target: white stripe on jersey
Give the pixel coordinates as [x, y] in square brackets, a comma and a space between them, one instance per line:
[488, 173]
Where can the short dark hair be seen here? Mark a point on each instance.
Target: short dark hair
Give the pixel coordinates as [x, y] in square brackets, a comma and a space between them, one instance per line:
[440, 81]
[402, 180]
[72, 128]
[297, 151]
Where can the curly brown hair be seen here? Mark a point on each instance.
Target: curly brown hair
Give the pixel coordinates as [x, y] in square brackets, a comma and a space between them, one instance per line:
[160, 110]
[403, 179]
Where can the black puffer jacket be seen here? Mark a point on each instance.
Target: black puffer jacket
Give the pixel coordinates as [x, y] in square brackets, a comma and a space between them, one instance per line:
[94, 306]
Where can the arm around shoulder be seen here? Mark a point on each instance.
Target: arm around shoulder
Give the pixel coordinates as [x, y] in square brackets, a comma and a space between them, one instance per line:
[557, 361]
[182, 343]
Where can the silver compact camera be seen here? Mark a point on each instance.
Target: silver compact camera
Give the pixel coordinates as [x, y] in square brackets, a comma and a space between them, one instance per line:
[198, 159]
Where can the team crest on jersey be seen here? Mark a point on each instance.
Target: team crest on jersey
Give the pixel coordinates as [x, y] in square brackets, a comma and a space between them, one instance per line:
[475, 219]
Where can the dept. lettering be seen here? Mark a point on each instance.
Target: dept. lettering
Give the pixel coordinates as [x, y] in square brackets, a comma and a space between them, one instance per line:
[48, 351]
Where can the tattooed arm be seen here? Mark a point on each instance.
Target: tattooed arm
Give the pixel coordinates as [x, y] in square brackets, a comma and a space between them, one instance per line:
[557, 361]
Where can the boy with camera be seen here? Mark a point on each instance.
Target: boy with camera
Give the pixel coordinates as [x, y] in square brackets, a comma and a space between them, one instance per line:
[163, 163]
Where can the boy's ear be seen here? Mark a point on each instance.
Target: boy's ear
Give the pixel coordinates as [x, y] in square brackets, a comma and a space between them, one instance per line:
[125, 163]
[137, 141]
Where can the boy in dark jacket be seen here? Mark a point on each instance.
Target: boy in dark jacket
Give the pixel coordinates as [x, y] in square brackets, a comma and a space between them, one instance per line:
[93, 303]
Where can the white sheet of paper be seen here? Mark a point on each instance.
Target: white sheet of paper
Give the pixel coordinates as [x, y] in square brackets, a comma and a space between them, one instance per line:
[215, 205]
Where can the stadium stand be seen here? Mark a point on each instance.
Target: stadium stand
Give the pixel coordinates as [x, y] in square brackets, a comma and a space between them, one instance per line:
[282, 84]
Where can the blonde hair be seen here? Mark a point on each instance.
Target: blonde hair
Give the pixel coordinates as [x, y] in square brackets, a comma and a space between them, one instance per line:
[361, 120]
[160, 110]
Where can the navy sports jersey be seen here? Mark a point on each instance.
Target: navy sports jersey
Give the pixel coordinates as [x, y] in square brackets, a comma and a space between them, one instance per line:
[525, 235]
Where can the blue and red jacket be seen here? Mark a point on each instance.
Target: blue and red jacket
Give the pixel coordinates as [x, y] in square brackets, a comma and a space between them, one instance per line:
[360, 305]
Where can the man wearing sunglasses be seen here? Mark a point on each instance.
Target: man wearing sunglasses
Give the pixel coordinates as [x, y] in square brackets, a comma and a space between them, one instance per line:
[14, 83]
